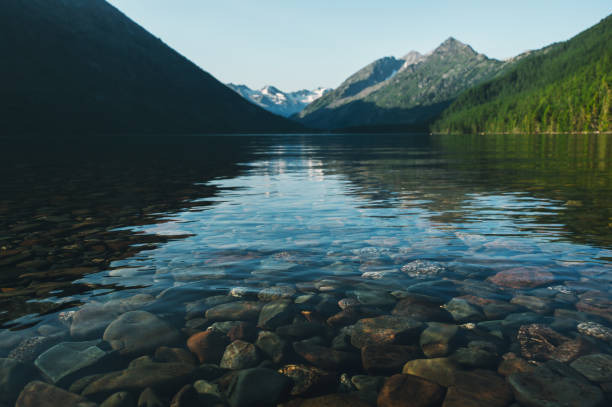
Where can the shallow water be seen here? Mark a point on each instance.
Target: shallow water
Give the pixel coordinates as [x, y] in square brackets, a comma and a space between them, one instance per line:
[508, 238]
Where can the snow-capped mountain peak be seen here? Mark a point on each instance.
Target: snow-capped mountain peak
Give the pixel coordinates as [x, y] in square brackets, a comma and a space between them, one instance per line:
[279, 102]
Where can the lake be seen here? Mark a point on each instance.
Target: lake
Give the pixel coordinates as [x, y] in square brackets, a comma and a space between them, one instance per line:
[480, 266]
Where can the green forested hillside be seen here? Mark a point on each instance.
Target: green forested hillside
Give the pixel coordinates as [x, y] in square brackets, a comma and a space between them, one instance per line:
[408, 94]
[566, 87]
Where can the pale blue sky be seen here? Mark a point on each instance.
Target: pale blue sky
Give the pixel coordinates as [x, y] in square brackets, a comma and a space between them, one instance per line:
[295, 44]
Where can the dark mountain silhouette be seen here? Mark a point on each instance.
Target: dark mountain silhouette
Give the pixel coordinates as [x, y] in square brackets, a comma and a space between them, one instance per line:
[81, 66]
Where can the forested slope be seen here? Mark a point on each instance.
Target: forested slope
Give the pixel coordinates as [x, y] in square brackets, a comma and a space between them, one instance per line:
[396, 94]
[563, 88]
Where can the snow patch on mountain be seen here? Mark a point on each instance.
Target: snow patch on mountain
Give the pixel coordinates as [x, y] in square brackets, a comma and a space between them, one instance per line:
[276, 101]
[412, 58]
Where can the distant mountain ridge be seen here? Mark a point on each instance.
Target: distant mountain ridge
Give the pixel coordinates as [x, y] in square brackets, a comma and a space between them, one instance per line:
[74, 67]
[81, 66]
[278, 102]
[563, 87]
[409, 91]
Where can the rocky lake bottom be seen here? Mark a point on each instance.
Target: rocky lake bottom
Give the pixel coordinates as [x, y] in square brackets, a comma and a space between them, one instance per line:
[298, 271]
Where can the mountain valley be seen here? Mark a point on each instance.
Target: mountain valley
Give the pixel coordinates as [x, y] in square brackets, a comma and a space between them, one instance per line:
[278, 102]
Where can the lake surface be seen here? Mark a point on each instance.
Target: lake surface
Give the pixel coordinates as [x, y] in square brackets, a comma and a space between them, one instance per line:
[477, 261]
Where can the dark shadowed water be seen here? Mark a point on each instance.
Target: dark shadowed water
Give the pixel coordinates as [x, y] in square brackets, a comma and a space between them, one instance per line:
[477, 263]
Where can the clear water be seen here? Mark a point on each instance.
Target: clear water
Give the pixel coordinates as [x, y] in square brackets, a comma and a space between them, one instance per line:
[181, 219]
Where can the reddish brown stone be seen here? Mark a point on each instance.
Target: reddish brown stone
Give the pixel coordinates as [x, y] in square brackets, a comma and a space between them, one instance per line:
[387, 359]
[522, 277]
[596, 302]
[343, 318]
[208, 346]
[437, 370]
[478, 388]
[385, 329]
[308, 380]
[401, 390]
[511, 363]
[480, 301]
[539, 342]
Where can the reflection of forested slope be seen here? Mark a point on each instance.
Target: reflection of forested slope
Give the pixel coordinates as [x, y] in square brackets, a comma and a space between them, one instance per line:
[574, 170]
